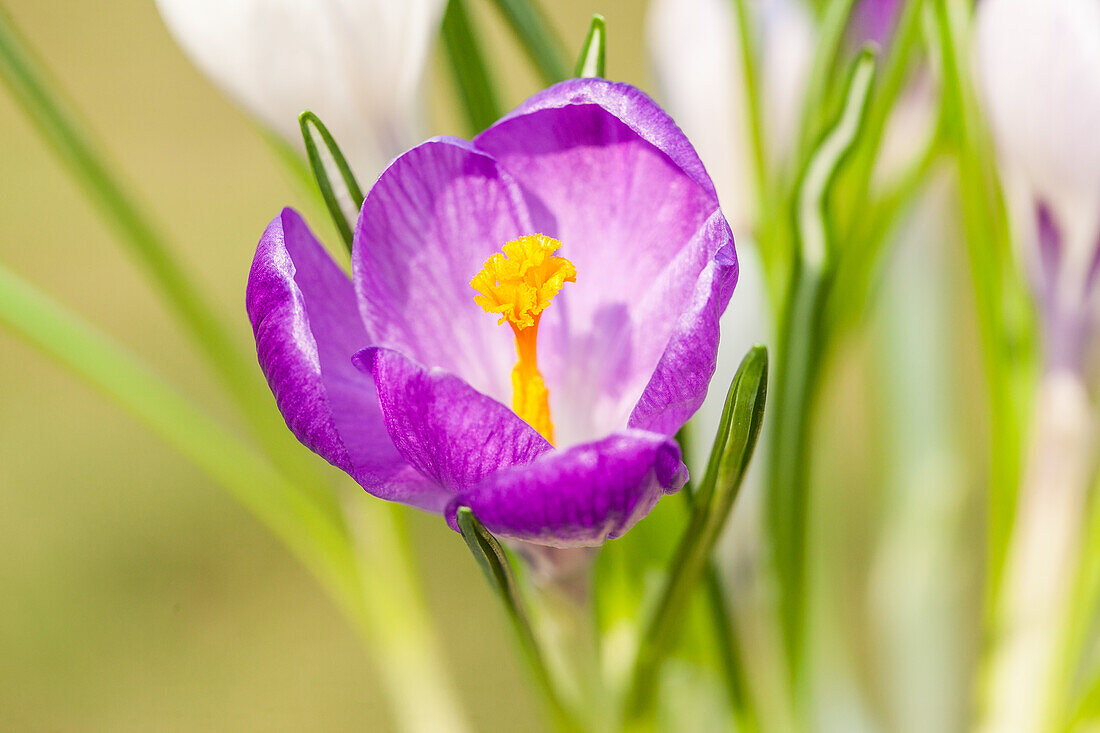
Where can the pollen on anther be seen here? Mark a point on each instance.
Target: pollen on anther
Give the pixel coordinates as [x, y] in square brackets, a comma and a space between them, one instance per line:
[520, 282]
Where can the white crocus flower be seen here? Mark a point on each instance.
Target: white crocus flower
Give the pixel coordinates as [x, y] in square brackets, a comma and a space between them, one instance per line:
[358, 64]
[695, 49]
[696, 53]
[1038, 66]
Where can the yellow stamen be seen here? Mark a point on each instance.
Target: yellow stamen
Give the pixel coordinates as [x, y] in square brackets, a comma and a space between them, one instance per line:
[519, 285]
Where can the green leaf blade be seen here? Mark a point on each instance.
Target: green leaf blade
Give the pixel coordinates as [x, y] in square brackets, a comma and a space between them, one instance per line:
[592, 60]
[313, 533]
[343, 198]
[72, 141]
[468, 68]
[537, 37]
[67, 136]
[492, 560]
[734, 444]
[802, 339]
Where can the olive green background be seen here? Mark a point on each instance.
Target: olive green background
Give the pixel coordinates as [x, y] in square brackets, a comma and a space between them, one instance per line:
[134, 594]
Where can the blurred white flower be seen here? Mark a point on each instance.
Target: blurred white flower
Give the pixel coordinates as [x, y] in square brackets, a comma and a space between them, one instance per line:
[1038, 67]
[696, 52]
[357, 63]
[695, 48]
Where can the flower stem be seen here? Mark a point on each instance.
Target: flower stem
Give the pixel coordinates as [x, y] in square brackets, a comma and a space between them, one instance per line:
[498, 570]
[1028, 660]
[796, 378]
[1081, 611]
[394, 622]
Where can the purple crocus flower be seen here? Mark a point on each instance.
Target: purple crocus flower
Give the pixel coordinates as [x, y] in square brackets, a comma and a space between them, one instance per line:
[616, 258]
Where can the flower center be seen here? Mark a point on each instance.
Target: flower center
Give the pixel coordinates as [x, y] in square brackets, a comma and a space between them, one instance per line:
[519, 285]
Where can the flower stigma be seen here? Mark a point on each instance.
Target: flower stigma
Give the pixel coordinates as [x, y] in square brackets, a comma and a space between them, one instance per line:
[519, 285]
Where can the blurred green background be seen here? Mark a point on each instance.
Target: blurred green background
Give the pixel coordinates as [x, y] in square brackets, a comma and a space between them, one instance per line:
[134, 594]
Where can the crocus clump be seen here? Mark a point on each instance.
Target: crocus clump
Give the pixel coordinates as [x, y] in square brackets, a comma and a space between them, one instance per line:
[571, 261]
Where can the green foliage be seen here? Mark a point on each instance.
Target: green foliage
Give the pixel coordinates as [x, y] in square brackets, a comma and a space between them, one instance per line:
[593, 57]
[474, 85]
[343, 198]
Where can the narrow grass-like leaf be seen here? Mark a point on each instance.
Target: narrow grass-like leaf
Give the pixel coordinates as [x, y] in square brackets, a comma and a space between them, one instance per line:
[494, 563]
[726, 646]
[344, 197]
[830, 36]
[72, 142]
[895, 68]
[748, 37]
[319, 540]
[471, 75]
[537, 38]
[593, 57]
[1001, 299]
[734, 443]
[823, 165]
[866, 250]
[800, 352]
[313, 535]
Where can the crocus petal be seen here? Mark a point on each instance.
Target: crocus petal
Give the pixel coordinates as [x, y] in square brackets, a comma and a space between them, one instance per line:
[581, 496]
[746, 322]
[357, 64]
[426, 227]
[449, 432]
[307, 327]
[622, 103]
[624, 191]
[678, 385]
[1039, 71]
